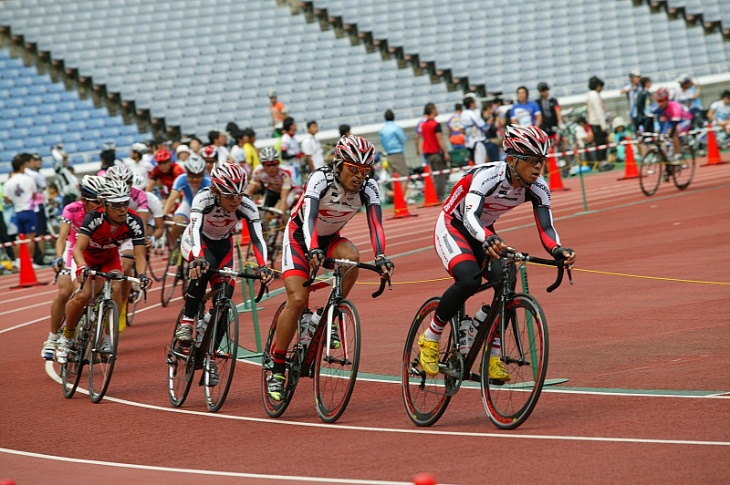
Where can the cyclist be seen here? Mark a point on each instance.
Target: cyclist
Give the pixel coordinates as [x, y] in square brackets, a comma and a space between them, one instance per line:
[675, 119]
[271, 180]
[185, 187]
[208, 240]
[164, 174]
[155, 222]
[64, 265]
[465, 229]
[332, 196]
[97, 243]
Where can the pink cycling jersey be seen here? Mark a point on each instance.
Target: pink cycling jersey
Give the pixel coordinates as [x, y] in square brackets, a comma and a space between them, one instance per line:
[73, 214]
[138, 200]
[676, 112]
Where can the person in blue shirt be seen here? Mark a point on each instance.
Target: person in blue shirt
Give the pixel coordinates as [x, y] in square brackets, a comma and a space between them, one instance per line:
[393, 139]
[183, 190]
[524, 112]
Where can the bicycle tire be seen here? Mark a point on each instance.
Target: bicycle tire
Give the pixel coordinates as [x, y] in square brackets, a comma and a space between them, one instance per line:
[155, 274]
[101, 364]
[171, 277]
[335, 374]
[293, 355]
[509, 403]
[651, 171]
[180, 367]
[683, 174]
[70, 372]
[425, 397]
[222, 350]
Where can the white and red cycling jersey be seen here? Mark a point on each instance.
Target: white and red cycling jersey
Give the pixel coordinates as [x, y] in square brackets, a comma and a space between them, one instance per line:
[483, 194]
[282, 179]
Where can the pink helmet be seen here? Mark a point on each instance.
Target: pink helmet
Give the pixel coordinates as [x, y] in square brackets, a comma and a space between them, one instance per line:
[526, 140]
[662, 94]
[356, 150]
[229, 178]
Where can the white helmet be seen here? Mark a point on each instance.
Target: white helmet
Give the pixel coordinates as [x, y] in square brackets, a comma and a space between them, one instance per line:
[119, 172]
[114, 191]
[194, 164]
[138, 180]
[92, 186]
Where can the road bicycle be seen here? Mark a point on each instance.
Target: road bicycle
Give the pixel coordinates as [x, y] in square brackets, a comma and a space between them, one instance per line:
[656, 165]
[334, 370]
[176, 271]
[515, 319]
[215, 348]
[96, 338]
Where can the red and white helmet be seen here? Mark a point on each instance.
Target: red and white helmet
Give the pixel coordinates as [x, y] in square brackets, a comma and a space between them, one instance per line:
[356, 150]
[210, 151]
[229, 178]
[121, 173]
[662, 94]
[526, 140]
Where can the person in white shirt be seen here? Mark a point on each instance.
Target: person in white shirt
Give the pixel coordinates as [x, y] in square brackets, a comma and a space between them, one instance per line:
[719, 115]
[139, 163]
[20, 190]
[219, 138]
[596, 116]
[290, 151]
[312, 149]
[476, 128]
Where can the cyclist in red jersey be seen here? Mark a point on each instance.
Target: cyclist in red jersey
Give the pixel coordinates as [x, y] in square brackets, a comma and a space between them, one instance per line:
[465, 229]
[97, 247]
[164, 174]
[332, 196]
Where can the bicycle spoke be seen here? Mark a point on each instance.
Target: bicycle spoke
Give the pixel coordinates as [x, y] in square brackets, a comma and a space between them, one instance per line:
[180, 368]
[651, 171]
[103, 351]
[221, 356]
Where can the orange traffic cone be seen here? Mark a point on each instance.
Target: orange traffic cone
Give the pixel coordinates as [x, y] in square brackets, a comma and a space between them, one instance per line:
[400, 208]
[245, 236]
[27, 273]
[713, 151]
[630, 169]
[430, 198]
[556, 182]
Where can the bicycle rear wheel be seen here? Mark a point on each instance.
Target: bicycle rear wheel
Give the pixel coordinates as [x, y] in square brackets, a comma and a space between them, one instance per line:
[70, 372]
[180, 367]
[155, 273]
[651, 170]
[293, 356]
[172, 276]
[220, 360]
[525, 356]
[426, 397]
[103, 351]
[683, 173]
[336, 369]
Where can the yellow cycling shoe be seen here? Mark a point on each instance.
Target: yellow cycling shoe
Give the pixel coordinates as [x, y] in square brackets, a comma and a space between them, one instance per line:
[429, 355]
[497, 370]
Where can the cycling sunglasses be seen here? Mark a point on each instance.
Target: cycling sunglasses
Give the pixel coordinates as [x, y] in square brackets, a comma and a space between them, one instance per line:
[531, 160]
[117, 206]
[358, 169]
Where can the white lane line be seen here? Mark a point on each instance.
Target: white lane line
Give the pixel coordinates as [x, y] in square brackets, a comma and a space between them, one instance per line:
[601, 439]
[47, 317]
[196, 472]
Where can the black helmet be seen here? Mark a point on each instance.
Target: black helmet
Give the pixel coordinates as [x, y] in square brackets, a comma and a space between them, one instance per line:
[542, 87]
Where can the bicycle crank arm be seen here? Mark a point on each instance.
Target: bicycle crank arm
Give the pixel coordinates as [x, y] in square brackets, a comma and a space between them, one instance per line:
[332, 360]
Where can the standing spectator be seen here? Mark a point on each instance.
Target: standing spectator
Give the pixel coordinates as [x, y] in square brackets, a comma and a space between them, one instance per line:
[5, 230]
[249, 149]
[183, 152]
[20, 191]
[457, 134]
[689, 96]
[632, 91]
[596, 116]
[583, 139]
[393, 139]
[219, 139]
[290, 151]
[34, 171]
[644, 113]
[434, 148]
[138, 163]
[108, 159]
[524, 112]
[344, 130]
[312, 149]
[492, 142]
[552, 119]
[195, 145]
[238, 155]
[475, 128]
[719, 115]
[277, 109]
[68, 184]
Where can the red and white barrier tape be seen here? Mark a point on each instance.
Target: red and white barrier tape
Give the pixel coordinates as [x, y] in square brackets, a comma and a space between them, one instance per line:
[26, 241]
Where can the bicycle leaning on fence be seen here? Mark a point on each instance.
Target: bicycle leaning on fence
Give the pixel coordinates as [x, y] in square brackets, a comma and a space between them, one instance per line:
[656, 164]
[215, 348]
[519, 325]
[96, 338]
[328, 352]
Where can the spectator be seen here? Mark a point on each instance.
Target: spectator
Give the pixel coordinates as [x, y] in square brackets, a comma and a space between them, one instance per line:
[20, 191]
[618, 134]
[644, 113]
[195, 145]
[55, 201]
[596, 115]
[719, 115]
[108, 159]
[434, 148]
[457, 134]
[492, 142]
[689, 96]
[7, 230]
[183, 152]
[277, 109]
[312, 150]
[290, 151]
[632, 91]
[251, 152]
[219, 139]
[393, 139]
[552, 119]
[238, 155]
[138, 163]
[524, 112]
[584, 138]
[344, 130]
[66, 180]
[475, 128]
[34, 171]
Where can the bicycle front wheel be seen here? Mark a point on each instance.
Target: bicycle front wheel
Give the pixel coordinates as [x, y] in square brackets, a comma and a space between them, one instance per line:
[524, 353]
[180, 367]
[103, 351]
[220, 360]
[70, 372]
[651, 170]
[155, 273]
[293, 356]
[171, 277]
[683, 173]
[336, 368]
[425, 397]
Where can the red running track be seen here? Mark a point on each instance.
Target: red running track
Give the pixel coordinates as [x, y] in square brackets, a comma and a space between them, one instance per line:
[642, 337]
